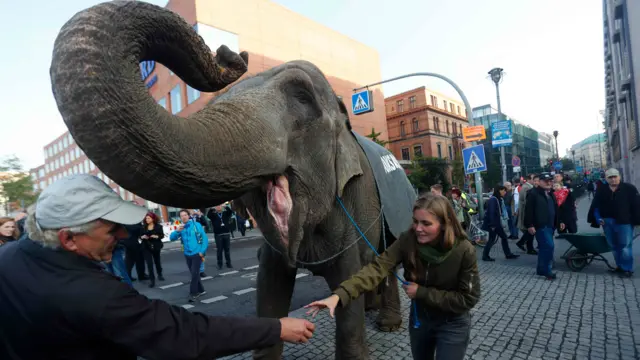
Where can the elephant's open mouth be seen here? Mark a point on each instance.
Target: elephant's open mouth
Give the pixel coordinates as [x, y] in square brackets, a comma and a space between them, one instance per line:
[280, 204]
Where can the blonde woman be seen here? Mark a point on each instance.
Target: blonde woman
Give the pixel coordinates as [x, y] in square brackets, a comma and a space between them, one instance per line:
[441, 270]
[8, 230]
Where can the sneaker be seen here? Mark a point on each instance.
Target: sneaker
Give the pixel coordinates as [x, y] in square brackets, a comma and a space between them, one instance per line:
[229, 266]
[202, 274]
[521, 247]
[551, 276]
[192, 298]
[532, 252]
[627, 274]
[201, 293]
[488, 259]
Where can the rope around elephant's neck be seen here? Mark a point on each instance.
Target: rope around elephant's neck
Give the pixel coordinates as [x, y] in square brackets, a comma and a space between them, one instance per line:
[416, 320]
[361, 236]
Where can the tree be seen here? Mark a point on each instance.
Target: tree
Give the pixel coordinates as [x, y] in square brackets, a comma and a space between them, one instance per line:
[457, 171]
[374, 136]
[427, 171]
[16, 186]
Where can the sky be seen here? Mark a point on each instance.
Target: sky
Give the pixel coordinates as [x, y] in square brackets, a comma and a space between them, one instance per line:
[551, 52]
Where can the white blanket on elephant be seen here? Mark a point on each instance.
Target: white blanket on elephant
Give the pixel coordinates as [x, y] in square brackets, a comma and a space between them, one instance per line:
[397, 195]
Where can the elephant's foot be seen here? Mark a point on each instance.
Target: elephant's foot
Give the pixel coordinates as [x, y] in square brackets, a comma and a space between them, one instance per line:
[272, 353]
[388, 321]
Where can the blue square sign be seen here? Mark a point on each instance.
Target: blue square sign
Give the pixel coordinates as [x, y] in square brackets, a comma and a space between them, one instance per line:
[474, 159]
[362, 102]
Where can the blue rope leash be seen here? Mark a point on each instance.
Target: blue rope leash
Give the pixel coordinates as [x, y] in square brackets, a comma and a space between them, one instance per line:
[416, 321]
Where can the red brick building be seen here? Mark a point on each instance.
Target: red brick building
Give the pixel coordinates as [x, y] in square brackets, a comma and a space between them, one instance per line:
[272, 35]
[423, 122]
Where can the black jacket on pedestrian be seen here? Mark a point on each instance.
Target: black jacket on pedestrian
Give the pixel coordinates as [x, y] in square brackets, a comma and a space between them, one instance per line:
[58, 305]
[131, 241]
[151, 243]
[218, 219]
[537, 209]
[623, 205]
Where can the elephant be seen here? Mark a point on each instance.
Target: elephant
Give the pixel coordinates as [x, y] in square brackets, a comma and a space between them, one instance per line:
[279, 143]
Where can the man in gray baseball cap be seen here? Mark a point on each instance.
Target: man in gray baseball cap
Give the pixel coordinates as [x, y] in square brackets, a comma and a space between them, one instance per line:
[57, 300]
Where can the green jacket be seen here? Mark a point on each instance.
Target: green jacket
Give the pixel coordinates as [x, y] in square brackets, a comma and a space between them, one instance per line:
[452, 286]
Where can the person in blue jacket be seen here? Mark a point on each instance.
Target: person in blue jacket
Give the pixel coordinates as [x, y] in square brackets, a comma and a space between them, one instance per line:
[194, 241]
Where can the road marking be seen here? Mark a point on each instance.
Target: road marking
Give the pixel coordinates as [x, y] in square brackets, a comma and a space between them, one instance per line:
[206, 278]
[251, 267]
[240, 292]
[171, 285]
[187, 306]
[298, 276]
[229, 273]
[214, 299]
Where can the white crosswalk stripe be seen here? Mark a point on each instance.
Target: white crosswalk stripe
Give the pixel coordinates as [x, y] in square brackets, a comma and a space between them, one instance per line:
[241, 292]
[171, 285]
[214, 299]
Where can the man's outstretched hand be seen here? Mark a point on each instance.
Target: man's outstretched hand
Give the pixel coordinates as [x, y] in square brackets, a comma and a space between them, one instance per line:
[296, 330]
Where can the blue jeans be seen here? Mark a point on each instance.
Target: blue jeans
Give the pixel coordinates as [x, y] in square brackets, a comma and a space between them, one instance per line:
[620, 239]
[117, 266]
[193, 263]
[444, 335]
[513, 231]
[545, 250]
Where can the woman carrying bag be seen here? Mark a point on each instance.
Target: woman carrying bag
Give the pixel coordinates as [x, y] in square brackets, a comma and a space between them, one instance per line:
[151, 236]
[496, 220]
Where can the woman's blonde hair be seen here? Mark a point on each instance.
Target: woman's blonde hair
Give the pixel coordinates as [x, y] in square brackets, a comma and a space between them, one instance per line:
[450, 228]
[557, 186]
[16, 231]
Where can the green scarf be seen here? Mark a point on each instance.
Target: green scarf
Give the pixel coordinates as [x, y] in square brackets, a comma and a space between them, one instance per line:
[434, 254]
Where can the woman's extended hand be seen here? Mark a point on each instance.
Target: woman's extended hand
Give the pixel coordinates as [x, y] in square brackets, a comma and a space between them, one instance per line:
[330, 303]
[411, 289]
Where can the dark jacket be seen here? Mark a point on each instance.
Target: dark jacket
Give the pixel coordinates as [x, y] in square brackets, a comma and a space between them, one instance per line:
[151, 243]
[451, 287]
[131, 241]
[220, 221]
[621, 205]
[567, 214]
[58, 305]
[493, 216]
[536, 211]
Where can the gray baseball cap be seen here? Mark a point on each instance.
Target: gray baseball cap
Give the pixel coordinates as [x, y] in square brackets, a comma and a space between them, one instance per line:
[78, 199]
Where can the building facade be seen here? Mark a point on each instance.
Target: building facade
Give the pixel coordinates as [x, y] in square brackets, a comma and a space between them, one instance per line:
[272, 35]
[547, 144]
[422, 122]
[591, 152]
[622, 74]
[526, 144]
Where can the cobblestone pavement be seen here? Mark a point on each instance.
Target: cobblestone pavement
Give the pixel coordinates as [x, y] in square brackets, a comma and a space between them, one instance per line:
[585, 315]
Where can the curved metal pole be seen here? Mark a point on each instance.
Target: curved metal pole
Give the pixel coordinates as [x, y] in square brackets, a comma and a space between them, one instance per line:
[467, 106]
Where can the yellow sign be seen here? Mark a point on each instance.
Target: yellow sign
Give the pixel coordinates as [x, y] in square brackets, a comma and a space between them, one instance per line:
[474, 133]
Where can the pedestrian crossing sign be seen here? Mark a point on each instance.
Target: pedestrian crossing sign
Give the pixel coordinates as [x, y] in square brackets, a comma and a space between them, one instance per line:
[362, 102]
[474, 159]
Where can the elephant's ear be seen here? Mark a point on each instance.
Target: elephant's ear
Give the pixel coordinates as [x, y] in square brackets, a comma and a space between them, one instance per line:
[347, 154]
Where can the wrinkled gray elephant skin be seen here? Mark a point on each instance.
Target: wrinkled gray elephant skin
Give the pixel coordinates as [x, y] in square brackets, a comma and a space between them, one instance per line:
[279, 142]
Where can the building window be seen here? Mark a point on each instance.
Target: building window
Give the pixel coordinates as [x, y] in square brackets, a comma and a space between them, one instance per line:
[77, 152]
[439, 151]
[86, 165]
[192, 94]
[412, 102]
[458, 109]
[417, 150]
[75, 169]
[434, 101]
[445, 104]
[436, 124]
[66, 158]
[460, 132]
[451, 106]
[55, 148]
[163, 102]
[70, 139]
[402, 129]
[416, 125]
[57, 163]
[400, 105]
[405, 154]
[46, 168]
[450, 152]
[41, 173]
[65, 142]
[447, 124]
[176, 99]
[455, 128]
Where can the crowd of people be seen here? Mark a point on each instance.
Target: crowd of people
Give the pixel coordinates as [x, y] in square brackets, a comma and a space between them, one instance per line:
[78, 223]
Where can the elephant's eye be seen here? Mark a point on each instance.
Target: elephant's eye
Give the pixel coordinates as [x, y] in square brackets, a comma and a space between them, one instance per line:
[303, 96]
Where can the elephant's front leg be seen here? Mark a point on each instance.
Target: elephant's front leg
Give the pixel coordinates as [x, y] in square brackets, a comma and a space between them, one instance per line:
[389, 318]
[350, 329]
[275, 287]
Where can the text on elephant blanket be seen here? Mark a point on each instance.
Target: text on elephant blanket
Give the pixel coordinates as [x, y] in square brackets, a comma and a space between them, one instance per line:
[390, 163]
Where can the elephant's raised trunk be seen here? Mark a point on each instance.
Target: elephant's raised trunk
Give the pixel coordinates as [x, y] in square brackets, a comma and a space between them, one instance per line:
[174, 161]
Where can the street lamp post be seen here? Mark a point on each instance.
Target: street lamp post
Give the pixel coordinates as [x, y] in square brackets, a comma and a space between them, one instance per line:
[555, 135]
[467, 105]
[573, 155]
[496, 76]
